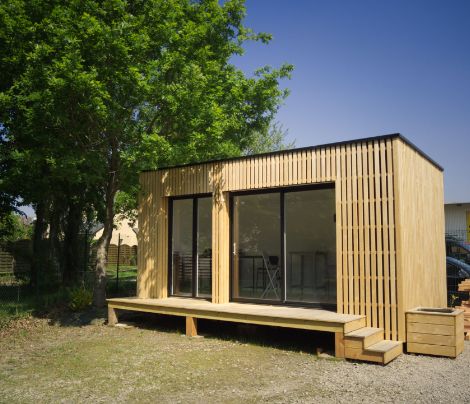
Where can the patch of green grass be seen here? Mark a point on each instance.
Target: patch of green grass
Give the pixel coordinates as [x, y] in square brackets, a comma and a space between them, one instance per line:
[125, 285]
[111, 270]
[15, 302]
[21, 302]
[12, 310]
[96, 363]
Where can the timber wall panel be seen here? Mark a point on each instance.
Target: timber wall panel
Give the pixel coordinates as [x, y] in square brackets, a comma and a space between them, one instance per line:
[371, 226]
[420, 225]
[145, 252]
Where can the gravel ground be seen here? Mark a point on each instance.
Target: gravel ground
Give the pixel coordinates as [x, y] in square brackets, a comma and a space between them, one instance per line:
[89, 362]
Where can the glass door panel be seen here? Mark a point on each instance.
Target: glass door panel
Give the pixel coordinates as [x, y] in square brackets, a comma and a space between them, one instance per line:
[204, 247]
[256, 249]
[310, 246]
[191, 247]
[182, 247]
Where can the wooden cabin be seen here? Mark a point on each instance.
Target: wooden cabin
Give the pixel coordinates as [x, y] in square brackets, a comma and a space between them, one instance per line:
[343, 237]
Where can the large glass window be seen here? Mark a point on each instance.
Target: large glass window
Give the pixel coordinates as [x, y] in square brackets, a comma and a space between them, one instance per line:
[182, 247]
[204, 247]
[284, 246]
[257, 246]
[310, 246]
[191, 247]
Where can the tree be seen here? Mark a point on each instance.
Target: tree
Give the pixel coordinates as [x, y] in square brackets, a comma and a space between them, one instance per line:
[265, 141]
[269, 140]
[13, 228]
[98, 90]
[48, 110]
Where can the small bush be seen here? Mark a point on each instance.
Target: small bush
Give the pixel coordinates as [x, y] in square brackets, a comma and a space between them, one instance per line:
[79, 298]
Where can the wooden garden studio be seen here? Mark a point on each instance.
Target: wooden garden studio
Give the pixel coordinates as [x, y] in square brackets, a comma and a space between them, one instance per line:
[343, 237]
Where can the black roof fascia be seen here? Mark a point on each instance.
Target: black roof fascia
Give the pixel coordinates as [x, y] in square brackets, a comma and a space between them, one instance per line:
[345, 142]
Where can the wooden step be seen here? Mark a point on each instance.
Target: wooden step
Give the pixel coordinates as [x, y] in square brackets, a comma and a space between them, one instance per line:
[363, 337]
[381, 352]
[389, 349]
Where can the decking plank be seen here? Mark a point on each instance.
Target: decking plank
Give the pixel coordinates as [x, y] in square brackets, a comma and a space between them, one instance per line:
[281, 316]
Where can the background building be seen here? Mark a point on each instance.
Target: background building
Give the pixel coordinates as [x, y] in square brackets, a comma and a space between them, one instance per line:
[457, 216]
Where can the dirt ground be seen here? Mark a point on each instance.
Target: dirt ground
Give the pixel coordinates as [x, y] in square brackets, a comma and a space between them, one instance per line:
[82, 360]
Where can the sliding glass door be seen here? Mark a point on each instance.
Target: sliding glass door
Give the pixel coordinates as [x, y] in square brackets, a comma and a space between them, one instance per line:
[191, 247]
[284, 246]
[182, 247]
[310, 240]
[256, 246]
[204, 247]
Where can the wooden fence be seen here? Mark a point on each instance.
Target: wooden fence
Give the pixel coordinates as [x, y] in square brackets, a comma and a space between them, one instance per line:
[15, 257]
[127, 254]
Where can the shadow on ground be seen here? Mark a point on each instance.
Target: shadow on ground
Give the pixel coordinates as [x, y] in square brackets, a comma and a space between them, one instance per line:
[276, 337]
[75, 319]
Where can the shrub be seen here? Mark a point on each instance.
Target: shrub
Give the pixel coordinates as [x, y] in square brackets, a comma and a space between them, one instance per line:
[79, 298]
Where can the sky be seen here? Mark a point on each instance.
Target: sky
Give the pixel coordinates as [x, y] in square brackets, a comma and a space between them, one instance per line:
[368, 68]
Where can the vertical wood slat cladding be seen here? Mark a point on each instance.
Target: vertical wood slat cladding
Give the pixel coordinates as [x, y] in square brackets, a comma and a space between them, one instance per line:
[419, 221]
[373, 237]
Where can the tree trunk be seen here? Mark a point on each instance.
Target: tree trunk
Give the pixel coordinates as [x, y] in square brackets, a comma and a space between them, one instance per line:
[40, 228]
[99, 290]
[53, 245]
[71, 243]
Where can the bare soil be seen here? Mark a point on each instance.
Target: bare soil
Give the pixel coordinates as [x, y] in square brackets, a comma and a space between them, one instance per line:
[79, 359]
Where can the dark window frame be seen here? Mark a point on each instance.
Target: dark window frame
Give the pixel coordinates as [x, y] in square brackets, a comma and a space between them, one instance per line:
[282, 191]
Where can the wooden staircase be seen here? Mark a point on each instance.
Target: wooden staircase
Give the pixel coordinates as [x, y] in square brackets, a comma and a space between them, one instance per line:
[368, 344]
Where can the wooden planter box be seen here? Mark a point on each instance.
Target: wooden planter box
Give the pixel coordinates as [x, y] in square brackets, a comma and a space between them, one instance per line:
[435, 331]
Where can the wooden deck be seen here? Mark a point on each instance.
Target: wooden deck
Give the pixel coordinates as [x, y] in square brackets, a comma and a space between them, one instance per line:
[278, 316]
[353, 340]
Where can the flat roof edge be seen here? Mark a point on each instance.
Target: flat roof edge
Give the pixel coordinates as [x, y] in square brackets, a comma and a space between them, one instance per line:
[334, 144]
[420, 152]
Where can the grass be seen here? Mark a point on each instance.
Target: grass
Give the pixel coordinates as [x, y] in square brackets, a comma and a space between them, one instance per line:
[18, 300]
[94, 363]
[124, 271]
[15, 302]
[76, 358]
[127, 280]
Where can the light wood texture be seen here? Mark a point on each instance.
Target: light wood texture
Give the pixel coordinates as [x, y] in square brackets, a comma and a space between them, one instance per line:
[368, 344]
[425, 328]
[388, 349]
[112, 316]
[434, 333]
[389, 223]
[361, 354]
[435, 350]
[382, 352]
[420, 225]
[364, 337]
[279, 316]
[428, 318]
[191, 326]
[431, 339]
[220, 261]
[339, 345]
[347, 328]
